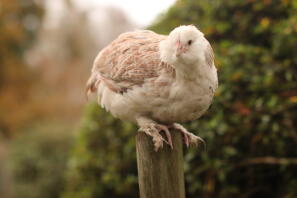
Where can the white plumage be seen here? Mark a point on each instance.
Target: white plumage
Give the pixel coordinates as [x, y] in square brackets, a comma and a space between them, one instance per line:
[156, 80]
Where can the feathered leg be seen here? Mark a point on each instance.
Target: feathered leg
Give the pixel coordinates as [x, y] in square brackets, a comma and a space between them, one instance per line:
[153, 129]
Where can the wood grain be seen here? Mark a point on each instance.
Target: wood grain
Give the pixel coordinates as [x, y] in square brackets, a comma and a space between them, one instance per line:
[160, 174]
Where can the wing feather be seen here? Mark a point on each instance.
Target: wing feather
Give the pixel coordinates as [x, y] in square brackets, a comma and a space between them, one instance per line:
[209, 55]
[129, 60]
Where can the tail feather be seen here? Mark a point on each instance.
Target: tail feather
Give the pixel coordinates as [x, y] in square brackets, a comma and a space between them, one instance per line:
[92, 84]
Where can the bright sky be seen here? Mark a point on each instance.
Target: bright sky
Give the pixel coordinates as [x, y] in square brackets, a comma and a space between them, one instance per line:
[141, 12]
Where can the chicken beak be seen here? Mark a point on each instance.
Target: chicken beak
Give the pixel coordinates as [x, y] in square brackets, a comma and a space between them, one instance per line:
[180, 49]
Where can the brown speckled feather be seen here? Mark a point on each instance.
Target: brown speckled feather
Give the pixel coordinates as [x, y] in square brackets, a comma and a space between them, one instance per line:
[130, 59]
[209, 56]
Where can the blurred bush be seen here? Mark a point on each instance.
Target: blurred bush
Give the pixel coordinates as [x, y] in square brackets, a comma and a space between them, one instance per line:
[250, 129]
[103, 159]
[19, 22]
[37, 163]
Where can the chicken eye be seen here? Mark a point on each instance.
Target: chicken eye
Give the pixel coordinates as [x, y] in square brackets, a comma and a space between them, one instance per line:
[190, 42]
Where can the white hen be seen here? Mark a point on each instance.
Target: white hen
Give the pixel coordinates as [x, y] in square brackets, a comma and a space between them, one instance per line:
[156, 80]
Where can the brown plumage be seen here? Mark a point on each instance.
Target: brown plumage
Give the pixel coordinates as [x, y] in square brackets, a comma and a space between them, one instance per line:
[118, 64]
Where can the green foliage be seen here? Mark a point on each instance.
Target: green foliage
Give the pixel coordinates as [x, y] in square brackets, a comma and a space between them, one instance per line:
[250, 129]
[38, 163]
[254, 113]
[103, 160]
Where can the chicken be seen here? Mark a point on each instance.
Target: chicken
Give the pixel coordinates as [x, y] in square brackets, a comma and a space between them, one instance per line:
[156, 81]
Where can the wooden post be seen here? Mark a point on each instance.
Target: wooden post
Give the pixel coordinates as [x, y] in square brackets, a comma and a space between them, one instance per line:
[160, 174]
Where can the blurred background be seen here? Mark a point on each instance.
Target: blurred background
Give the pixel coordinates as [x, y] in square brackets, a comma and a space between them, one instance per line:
[54, 144]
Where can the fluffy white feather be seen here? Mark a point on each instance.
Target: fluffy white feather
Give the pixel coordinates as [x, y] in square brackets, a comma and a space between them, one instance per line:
[156, 80]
